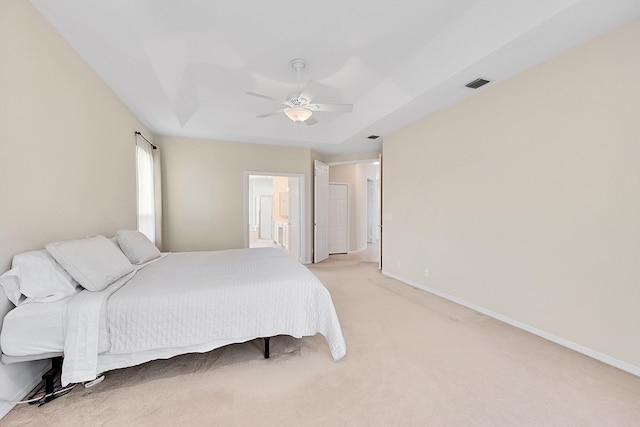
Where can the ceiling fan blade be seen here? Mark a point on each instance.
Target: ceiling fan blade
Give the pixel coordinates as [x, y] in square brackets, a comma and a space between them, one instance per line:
[262, 116]
[332, 108]
[311, 121]
[310, 90]
[270, 98]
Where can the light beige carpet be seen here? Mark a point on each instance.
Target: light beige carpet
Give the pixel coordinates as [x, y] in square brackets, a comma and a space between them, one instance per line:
[412, 359]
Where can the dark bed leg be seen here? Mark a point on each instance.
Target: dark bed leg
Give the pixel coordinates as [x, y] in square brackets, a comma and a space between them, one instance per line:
[266, 347]
[49, 379]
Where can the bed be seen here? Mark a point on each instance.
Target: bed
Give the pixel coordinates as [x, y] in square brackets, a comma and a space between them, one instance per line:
[117, 311]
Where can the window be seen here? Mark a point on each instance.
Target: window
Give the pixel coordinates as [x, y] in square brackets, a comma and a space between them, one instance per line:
[146, 190]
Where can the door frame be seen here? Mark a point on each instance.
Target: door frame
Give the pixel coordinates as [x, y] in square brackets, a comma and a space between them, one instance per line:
[320, 206]
[371, 211]
[301, 218]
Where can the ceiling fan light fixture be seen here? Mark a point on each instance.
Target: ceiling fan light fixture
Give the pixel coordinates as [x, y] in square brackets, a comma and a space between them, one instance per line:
[298, 114]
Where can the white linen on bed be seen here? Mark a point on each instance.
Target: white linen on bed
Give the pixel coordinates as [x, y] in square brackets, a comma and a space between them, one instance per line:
[198, 301]
[86, 329]
[34, 328]
[83, 339]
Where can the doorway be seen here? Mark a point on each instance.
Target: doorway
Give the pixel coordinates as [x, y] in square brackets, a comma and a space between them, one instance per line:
[364, 181]
[274, 205]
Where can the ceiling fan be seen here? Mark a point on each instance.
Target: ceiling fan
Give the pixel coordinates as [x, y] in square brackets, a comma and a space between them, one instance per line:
[299, 107]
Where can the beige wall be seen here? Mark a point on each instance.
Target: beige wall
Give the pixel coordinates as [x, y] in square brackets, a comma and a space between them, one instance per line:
[354, 157]
[67, 152]
[524, 200]
[203, 191]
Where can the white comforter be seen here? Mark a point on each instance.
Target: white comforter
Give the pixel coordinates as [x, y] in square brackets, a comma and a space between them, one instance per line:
[195, 301]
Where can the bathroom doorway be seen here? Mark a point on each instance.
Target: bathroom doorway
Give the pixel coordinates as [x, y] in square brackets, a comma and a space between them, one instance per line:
[274, 204]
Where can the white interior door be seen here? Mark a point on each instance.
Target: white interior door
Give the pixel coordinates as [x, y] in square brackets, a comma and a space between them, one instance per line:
[266, 217]
[370, 211]
[294, 218]
[338, 218]
[321, 212]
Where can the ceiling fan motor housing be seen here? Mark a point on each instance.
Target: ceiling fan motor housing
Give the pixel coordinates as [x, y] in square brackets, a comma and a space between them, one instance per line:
[298, 102]
[298, 64]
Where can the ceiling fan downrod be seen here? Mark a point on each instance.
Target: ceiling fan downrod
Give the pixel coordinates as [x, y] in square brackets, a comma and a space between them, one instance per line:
[298, 65]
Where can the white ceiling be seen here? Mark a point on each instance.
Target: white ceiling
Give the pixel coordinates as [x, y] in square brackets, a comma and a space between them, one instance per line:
[183, 66]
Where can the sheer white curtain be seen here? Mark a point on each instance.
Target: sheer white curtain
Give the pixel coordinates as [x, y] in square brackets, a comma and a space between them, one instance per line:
[146, 189]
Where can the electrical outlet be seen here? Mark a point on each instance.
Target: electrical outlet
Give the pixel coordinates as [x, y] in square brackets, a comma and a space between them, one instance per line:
[426, 272]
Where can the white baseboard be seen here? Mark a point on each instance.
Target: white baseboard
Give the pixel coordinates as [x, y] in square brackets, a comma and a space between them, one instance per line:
[5, 406]
[635, 370]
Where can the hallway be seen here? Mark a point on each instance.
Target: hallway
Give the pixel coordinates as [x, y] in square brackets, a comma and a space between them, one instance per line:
[370, 254]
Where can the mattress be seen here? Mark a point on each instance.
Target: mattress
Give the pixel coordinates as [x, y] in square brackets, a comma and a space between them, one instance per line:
[34, 328]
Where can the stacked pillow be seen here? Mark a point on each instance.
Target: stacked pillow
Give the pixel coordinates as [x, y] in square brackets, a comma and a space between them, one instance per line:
[136, 246]
[93, 263]
[36, 276]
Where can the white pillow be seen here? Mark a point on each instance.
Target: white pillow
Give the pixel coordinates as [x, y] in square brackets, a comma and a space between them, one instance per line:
[94, 262]
[38, 277]
[136, 246]
[10, 282]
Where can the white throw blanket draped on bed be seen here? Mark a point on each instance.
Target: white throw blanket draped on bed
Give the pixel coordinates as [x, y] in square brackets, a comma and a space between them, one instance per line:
[197, 301]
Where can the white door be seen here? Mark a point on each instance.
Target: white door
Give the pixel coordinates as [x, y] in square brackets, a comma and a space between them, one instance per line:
[266, 217]
[338, 218]
[321, 212]
[370, 211]
[294, 218]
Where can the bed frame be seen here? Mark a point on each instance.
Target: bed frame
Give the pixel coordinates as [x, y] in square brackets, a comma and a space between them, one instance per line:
[49, 377]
